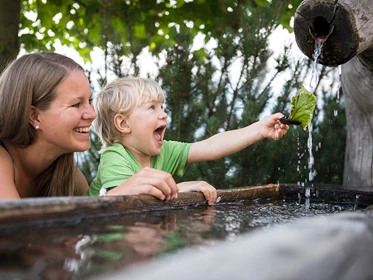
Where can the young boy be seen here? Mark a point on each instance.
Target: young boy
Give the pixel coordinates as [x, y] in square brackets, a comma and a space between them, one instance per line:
[131, 124]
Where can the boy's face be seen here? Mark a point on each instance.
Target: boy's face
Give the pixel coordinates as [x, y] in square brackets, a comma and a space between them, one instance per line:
[147, 124]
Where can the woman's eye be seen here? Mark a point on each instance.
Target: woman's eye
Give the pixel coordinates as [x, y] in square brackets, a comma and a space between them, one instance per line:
[76, 105]
[90, 100]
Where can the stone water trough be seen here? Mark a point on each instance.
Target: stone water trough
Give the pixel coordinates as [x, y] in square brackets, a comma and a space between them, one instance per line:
[333, 247]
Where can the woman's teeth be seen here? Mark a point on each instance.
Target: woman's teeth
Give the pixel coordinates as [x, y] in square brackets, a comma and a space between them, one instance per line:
[82, 129]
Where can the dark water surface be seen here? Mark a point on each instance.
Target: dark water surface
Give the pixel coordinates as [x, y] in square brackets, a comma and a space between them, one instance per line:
[96, 246]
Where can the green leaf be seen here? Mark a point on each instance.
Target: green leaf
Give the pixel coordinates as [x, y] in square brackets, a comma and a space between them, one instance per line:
[302, 106]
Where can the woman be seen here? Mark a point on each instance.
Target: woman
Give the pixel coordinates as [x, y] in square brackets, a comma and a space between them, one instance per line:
[45, 116]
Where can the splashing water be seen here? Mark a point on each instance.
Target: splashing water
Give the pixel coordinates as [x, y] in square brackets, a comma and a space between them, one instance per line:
[356, 200]
[307, 194]
[339, 88]
[311, 160]
[314, 74]
[313, 83]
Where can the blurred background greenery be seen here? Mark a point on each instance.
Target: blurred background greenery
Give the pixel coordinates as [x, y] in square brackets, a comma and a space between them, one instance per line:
[230, 79]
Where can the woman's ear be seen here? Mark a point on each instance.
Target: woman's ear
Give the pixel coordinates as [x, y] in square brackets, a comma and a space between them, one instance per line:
[34, 117]
[121, 124]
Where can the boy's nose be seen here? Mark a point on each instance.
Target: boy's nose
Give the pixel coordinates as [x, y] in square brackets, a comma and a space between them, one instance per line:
[163, 115]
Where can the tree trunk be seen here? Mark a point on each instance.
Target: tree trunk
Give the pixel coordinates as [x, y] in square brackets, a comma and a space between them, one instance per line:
[357, 86]
[346, 29]
[9, 26]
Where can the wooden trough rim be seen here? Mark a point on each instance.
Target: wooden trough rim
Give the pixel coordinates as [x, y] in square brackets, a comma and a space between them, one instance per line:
[70, 210]
[37, 210]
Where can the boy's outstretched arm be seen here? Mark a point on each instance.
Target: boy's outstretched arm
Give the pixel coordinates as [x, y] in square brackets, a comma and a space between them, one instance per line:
[230, 142]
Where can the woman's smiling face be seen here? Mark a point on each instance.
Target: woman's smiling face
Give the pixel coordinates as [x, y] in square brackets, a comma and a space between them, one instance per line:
[65, 125]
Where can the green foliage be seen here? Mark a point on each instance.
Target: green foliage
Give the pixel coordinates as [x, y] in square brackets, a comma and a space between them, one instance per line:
[208, 90]
[133, 25]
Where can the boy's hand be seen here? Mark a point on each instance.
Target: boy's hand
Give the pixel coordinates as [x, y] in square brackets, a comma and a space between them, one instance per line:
[200, 186]
[271, 127]
[148, 181]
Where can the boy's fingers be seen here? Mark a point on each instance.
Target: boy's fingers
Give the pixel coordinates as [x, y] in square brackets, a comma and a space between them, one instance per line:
[213, 197]
[210, 194]
[152, 191]
[161, 180]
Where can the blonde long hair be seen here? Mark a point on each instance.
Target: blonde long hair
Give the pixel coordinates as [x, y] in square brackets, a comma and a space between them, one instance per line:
[31, 80]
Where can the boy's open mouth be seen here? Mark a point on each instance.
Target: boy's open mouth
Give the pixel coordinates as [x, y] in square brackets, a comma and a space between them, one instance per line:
[158, 134]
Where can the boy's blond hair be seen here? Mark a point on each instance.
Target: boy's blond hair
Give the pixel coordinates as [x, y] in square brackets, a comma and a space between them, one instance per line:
[120, 97]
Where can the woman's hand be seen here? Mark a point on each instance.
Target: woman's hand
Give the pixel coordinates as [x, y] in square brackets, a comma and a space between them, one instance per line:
[200, 186]
[150, 181]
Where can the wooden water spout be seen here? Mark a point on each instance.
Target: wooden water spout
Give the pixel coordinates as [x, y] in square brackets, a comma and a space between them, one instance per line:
[346, 29]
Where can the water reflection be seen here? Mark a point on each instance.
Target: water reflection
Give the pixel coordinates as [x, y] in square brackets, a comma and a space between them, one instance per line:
[78, 251]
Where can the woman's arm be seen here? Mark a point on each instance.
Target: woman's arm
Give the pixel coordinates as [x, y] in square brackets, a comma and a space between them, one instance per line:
[82, 183]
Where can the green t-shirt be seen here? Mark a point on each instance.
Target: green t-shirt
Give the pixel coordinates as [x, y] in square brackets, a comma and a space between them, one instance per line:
[117, 164]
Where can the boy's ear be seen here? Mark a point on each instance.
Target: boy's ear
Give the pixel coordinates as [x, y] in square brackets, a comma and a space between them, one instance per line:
[34, 117]
[120, 123]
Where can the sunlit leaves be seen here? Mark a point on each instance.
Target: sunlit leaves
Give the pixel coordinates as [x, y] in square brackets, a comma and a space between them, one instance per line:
[132, 24]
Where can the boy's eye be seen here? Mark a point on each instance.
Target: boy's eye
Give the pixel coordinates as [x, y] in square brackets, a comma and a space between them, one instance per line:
[152, 107]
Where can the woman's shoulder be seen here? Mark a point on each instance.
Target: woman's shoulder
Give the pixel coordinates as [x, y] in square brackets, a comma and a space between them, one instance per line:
[7, 174]
[4, 153]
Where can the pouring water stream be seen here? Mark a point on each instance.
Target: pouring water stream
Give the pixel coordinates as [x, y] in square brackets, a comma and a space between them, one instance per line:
[312, 85]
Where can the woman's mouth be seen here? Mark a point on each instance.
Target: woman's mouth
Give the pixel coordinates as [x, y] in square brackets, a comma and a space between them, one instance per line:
[82, 129]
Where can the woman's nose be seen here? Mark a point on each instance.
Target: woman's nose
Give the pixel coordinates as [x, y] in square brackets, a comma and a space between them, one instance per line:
[89, 113]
